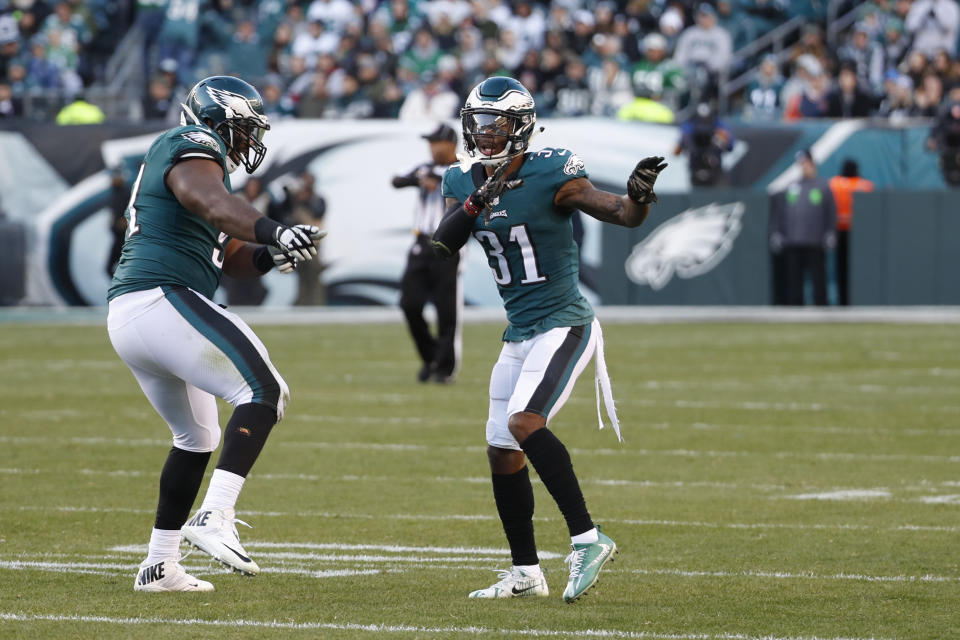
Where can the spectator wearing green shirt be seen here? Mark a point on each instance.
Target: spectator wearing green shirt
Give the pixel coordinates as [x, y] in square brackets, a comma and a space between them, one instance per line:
[657, 74]
[246, 54]
[423, 54]
[180, 34]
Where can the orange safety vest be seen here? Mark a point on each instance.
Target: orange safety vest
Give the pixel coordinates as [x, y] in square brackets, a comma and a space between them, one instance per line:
[843, 190]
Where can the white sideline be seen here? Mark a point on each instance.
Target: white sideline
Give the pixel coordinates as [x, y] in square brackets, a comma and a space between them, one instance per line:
[385, 628]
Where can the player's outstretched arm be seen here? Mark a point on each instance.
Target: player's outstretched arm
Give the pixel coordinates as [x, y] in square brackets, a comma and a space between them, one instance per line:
[454, 230]
[628, 210]
[198, 186]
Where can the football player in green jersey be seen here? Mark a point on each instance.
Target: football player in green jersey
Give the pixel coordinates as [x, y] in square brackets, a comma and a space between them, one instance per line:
[184, 229]
[517, 203]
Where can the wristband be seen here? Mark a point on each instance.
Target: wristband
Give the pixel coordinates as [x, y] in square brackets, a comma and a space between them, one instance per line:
[266, 230]
[471, 208]
[262, 260]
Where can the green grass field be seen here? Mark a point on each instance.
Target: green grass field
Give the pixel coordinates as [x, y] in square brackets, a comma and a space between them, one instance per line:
[777, 481]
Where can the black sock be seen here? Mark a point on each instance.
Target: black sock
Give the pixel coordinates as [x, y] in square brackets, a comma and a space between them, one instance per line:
[179, 483]
[244, 437]
[552, 462]
[514, 496]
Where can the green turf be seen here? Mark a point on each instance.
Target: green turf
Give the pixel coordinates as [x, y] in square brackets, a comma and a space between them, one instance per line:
[725, 426]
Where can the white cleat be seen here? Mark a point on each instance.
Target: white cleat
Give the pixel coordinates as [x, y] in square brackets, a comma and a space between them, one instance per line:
[215, 533]
[167, 575]
[515, 583]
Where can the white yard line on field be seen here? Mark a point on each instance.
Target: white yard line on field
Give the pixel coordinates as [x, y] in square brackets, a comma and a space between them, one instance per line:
[772, 406]
[787, 575]
[428, 517]
[312, 477]
[813, 492]
[404, 628]
[398, 447]
[843, 495]
[281, 563]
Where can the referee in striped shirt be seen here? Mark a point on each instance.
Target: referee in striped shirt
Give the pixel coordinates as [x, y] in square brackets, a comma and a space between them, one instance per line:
[428, 278]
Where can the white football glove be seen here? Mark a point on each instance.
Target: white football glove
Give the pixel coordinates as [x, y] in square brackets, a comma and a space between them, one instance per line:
[287, 261]
[315, 233]
[296, 240]
[283, 262]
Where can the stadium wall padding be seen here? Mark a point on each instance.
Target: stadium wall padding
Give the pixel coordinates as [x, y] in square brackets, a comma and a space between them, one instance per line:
[369, 222]
[904, 248]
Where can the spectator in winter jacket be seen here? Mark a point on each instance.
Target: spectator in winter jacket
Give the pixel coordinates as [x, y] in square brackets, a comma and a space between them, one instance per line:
[802, 229]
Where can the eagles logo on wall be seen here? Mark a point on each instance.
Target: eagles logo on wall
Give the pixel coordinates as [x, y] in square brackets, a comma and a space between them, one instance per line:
[690, 244]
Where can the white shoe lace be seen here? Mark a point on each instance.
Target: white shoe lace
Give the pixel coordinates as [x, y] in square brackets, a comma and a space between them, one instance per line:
[504, 575]
[234, 522]
[575, 560]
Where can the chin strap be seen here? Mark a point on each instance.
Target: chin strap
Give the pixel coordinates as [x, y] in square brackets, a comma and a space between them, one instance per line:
[602, 386]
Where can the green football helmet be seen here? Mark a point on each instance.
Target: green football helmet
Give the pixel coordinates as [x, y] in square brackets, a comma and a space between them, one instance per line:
[498, 120]
[234, 109]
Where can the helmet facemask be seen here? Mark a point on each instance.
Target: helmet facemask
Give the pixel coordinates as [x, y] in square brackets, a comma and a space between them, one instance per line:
[244, 139]
[492, 135]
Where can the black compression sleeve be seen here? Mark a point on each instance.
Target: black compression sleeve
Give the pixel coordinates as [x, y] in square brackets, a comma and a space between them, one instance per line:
[262, 260]
[264, 230]
[453, 232]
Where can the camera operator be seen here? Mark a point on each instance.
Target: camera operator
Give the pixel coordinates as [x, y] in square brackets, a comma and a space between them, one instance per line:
[945, 138]
[303, 205]
[705, 138]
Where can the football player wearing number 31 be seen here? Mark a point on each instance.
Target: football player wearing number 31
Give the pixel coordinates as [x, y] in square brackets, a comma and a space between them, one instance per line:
[184, 229]
[517, 203]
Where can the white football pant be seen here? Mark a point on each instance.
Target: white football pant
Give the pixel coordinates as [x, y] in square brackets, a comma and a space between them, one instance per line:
[186, 351]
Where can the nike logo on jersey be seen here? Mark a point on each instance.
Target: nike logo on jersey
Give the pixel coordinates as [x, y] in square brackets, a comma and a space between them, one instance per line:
[150, 574]
[517, 592]
[238, 554]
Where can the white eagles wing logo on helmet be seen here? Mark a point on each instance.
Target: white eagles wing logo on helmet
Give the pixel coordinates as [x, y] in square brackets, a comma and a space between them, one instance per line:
[234, 105]
[690, 244]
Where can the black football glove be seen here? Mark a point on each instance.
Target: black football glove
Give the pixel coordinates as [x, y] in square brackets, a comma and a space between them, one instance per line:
[480, 200]
[640, 183]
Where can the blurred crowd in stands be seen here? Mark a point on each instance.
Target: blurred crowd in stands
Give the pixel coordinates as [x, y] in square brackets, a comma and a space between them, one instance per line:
[632, 59]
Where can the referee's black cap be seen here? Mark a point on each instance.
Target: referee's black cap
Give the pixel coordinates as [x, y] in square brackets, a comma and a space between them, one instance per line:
[443, 133]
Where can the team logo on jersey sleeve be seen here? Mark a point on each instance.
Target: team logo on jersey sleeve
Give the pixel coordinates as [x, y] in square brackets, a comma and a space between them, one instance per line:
[690, 244]
[199, 137]
[574, 165]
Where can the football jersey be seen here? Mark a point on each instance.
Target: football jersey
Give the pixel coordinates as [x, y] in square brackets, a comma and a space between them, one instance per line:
[529, 243]
[166, 244]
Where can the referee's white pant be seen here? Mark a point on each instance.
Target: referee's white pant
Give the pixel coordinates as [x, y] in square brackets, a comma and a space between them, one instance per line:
[186, 351]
